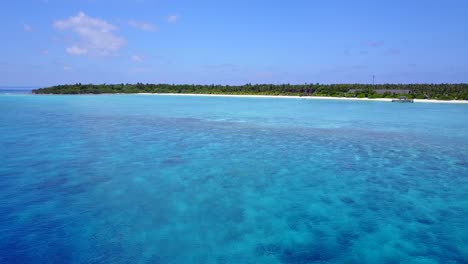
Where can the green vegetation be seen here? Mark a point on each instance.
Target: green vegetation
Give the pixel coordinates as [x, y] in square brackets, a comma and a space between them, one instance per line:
[419, 91]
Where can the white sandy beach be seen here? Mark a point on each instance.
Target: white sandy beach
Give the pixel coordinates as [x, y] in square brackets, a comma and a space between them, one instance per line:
[311, 97]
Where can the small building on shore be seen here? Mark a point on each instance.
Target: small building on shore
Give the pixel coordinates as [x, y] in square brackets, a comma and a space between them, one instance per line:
[403, 99]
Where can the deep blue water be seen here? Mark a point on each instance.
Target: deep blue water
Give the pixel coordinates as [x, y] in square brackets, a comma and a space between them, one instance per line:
[164, 179]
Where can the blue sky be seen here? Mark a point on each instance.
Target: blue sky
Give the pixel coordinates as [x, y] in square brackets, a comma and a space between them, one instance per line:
[46, 42]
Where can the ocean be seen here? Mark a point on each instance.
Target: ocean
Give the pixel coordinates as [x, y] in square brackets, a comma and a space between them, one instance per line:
[184, 179]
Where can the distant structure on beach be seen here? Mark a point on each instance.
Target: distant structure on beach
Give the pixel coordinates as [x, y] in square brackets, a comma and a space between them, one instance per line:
[403, 99]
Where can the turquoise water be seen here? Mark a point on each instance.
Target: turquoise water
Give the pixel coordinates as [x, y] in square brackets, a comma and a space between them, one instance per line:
[164, 179]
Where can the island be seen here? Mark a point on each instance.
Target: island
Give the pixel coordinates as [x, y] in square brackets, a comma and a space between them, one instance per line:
[410, 91]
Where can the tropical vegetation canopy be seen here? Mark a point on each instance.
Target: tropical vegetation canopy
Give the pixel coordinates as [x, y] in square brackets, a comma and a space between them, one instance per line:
[418, 91]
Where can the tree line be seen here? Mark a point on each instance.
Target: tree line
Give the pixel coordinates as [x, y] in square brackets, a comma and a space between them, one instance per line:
[416, 91]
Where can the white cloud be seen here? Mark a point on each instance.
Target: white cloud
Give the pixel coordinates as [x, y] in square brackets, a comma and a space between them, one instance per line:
[95, 36]
[67, 68]
[75, 50]
[27, 28]
[137, 58]
[172, 18]
[145, 26]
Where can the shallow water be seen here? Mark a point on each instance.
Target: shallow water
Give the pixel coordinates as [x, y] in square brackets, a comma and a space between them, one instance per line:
[163, 179]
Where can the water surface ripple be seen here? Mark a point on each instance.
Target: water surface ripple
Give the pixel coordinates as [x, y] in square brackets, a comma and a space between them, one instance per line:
[161, 179]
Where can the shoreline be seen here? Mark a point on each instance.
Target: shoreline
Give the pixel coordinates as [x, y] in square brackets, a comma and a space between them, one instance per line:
[308, 97]
[267, 96]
